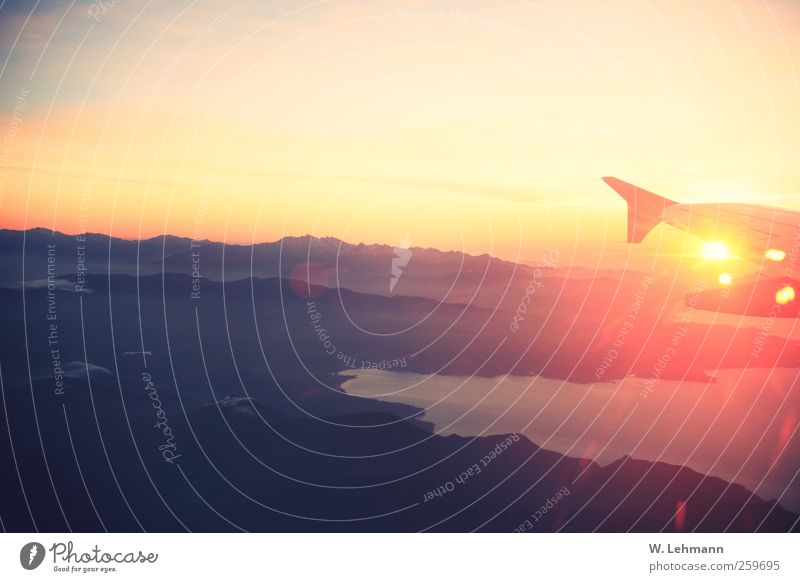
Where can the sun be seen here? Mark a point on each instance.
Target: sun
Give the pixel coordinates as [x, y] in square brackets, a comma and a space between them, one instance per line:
[716, 251]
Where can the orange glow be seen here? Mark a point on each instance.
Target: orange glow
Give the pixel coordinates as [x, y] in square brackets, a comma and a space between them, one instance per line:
[785, 295]
[725, 279]
[368, 122]
[716, 251]
[788, 427]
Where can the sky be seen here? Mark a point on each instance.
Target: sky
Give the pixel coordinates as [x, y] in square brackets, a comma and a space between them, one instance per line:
[482, 126]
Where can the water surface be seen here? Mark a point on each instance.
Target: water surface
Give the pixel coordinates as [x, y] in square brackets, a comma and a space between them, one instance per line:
[741, 428]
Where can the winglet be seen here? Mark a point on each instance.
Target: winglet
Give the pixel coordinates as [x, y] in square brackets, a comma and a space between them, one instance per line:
[645, 209]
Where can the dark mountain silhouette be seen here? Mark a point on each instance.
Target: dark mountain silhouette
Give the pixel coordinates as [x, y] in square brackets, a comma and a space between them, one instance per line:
[265, 438]
[443, 276]
[242, 466]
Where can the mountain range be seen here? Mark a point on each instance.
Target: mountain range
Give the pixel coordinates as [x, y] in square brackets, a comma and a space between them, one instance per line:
[230, 347]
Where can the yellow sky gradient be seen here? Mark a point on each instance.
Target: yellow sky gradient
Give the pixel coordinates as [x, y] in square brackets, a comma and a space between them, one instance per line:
[481, 126]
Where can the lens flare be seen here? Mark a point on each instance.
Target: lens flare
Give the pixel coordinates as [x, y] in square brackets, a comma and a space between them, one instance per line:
[785, 295]
[775, 255]
[725, 279]
[716, 251]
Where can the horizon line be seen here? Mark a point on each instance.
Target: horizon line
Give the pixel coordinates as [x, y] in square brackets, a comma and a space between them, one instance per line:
[265, 242]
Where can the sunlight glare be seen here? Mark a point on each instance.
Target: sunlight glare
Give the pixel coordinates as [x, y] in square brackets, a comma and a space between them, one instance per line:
[716, 251]
[785, 295]
[775, 255]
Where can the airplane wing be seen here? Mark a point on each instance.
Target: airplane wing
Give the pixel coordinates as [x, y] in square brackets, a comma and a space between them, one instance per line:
[764, 235]
[767, 236]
